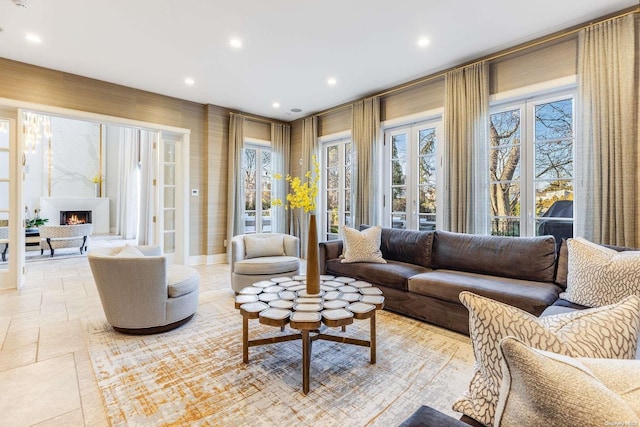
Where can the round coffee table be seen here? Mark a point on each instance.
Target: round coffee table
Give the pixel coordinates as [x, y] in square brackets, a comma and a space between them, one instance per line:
[284, 301]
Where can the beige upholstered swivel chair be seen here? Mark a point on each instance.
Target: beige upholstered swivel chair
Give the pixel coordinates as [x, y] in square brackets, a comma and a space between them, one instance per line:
[262, 256]
[140, 293]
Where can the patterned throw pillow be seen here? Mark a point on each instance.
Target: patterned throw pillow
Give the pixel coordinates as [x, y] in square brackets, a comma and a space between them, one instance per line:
[568, 391]
[607, 332]
[599, 276]
[362, 246]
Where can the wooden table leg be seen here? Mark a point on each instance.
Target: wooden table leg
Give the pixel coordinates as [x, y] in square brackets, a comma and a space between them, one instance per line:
[306, 359]
[372, 337]
[245, 339]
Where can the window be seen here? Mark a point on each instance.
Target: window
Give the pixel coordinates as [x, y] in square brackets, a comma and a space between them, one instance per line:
[412, 159]
[531, 167]
[336, 187]
[256, 176]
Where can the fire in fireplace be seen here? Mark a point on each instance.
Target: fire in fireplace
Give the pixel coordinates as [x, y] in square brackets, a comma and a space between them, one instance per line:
[75, 217]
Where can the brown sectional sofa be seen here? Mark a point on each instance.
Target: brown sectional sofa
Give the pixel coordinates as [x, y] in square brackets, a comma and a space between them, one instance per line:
[426, 271]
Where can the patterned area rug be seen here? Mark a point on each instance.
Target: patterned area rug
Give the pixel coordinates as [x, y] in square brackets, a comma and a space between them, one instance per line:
[194, 375]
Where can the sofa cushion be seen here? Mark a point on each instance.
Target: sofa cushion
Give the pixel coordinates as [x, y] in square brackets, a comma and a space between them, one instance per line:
[605, 332]
[182, 280]
[261, 245]
[267, 265]
[598, 275]
[362, 246]
[530, 296]
[393, 274]
[413, 247]
[527, 258]
[568, 391]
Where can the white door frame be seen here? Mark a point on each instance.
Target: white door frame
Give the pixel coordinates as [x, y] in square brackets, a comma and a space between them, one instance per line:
[17, 215]
[13, 277]
[181, 253]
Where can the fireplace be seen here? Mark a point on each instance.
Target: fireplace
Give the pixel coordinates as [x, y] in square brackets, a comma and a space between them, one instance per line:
[75, 217]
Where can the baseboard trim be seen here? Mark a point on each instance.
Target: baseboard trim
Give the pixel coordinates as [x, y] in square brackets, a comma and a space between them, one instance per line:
[207, 259]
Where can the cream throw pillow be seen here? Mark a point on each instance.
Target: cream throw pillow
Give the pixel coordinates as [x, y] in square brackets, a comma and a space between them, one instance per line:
[129, 251]
[599, 276]
[608, 332]
[261, 245]
[547, 389]
[362, 246]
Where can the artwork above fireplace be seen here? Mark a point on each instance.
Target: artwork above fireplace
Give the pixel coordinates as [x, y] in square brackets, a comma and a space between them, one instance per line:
[75, 217]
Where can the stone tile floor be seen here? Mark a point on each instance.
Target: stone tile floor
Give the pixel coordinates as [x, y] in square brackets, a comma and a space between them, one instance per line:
[46, 376]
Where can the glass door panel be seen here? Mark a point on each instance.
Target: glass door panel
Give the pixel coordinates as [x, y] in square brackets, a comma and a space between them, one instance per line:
[169, 190]
[399, 180]
[336, 187]
[412, 177]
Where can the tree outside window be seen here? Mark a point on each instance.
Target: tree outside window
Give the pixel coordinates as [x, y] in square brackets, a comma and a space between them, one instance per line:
[531, 168]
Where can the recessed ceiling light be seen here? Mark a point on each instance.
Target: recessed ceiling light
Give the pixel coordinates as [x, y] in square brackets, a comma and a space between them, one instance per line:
[276, 105]
[296, 110]
[423, 42]
[33, 38]
[331, 81]
[189, 81]
[235, 43]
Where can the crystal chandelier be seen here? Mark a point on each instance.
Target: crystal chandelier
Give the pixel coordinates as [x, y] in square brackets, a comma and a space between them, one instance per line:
[35, 127]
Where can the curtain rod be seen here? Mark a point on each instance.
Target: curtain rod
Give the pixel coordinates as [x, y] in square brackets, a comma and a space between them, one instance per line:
[258, 119]
[510, 51]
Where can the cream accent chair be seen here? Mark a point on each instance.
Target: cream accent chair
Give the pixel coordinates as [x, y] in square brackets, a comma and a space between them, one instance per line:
[262, 256]
[54, 237]
[140, 293]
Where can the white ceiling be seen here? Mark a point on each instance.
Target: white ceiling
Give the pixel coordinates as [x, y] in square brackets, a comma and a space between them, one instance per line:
[290, 47]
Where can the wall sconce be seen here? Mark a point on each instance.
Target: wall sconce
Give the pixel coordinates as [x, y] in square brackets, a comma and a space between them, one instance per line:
[35, 127]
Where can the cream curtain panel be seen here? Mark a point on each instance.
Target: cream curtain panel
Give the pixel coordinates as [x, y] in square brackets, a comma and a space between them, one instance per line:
[607, 180]
[235, 193]
[466, 111]
[127, 201]
[364, 133]
[309, 149]
[148, 164]
[280, 153]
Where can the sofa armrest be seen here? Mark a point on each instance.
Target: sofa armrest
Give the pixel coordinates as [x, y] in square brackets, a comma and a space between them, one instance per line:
[425, 416]
[328, 250]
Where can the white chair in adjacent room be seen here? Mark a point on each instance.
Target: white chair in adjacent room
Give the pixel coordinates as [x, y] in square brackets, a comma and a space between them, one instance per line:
[4, 242]
[262, 256]
[140, 293]
[54, 237]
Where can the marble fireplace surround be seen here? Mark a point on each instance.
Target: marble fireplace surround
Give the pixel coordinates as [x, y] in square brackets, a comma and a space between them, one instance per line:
[99, 207]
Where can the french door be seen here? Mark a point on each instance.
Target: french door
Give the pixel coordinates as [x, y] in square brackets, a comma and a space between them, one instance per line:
[173, 203]
[11, 221]
[336, 188]
[412, 176]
